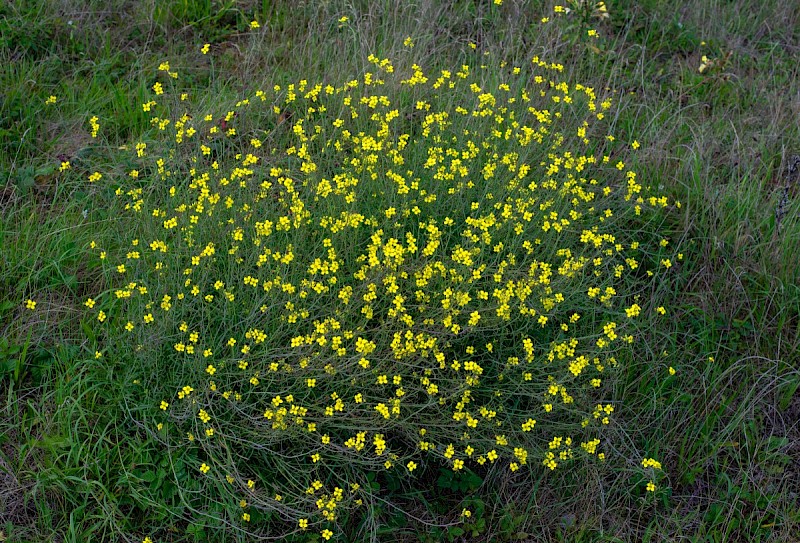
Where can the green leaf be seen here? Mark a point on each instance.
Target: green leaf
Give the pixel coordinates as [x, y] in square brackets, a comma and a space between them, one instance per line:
[24, 179]
[88, 331]
[454, 532]
[6, 306]
[787, 392]
[777, 442]
[48, 169]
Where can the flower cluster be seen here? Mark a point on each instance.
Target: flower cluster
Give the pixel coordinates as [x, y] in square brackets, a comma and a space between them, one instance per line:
[401, 270]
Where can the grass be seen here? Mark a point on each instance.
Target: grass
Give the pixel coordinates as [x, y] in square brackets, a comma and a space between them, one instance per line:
[78, 456]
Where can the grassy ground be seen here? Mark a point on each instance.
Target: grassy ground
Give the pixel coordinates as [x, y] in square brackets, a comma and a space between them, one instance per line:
[722, 141]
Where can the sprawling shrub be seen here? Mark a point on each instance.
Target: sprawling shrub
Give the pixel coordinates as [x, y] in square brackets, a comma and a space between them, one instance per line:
[392, 274]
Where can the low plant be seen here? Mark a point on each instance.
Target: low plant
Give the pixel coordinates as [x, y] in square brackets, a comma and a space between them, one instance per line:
[393, 274]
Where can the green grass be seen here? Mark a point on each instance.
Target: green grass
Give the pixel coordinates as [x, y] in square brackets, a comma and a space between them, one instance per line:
[79, 458]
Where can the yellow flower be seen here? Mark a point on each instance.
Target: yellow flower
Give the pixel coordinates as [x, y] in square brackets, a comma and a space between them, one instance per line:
[95, 126]
[408, 42]
[411, 466]
[671, 370]
[30, 304]
[204, 467]
[246, 517]
[633, 310]
[254, 25]
[651, 487]
[205, 48]
[651, 463]
[50, 100]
